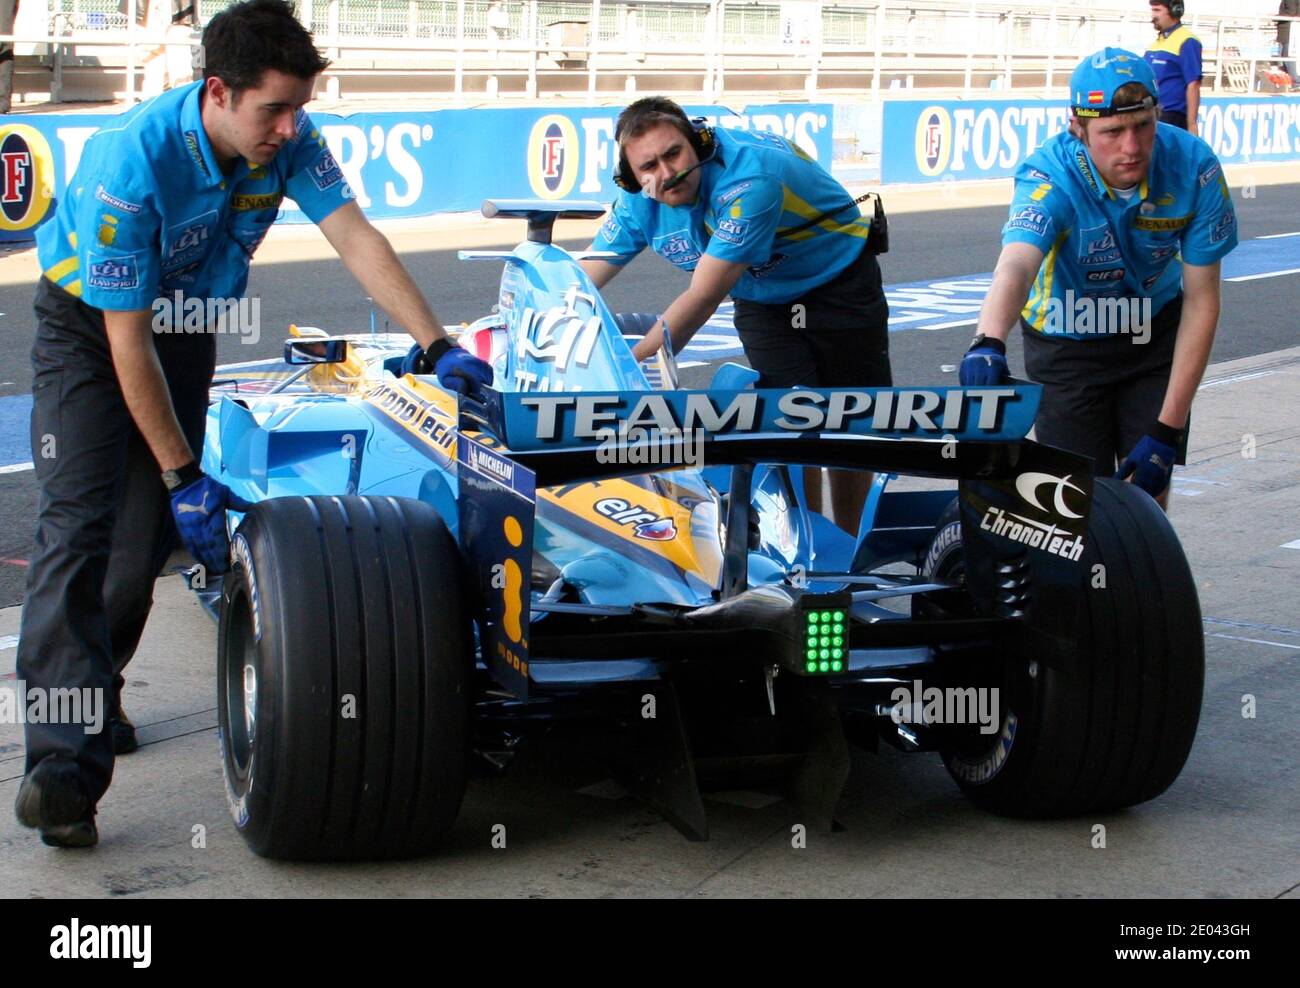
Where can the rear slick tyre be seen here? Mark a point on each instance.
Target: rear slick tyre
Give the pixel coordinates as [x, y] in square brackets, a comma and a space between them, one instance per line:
[343, 670]
[1109, 723]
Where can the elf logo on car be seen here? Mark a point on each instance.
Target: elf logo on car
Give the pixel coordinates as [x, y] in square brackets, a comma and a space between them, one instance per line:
[553, 156]
[649, 525]
[26, 177]
[1027, 485]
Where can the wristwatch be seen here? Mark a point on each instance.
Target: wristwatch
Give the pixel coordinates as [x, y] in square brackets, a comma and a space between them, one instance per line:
[181, 477]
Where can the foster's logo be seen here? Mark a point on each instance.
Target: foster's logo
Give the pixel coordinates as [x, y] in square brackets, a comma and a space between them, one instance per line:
[553, 157]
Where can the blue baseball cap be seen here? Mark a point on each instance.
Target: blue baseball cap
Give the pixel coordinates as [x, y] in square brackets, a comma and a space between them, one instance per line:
[1097, 78]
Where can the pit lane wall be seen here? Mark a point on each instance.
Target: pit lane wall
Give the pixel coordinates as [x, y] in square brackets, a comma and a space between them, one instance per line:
[957, 140]
[408, 164]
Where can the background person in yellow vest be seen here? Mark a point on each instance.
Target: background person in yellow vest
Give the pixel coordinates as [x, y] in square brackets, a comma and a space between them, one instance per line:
[1175, 57]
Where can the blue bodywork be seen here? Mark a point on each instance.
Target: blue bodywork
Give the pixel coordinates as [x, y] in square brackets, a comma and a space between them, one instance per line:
[595, 534]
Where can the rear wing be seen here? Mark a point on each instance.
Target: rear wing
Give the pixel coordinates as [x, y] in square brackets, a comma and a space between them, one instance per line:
[937, 432]
[1024, 506]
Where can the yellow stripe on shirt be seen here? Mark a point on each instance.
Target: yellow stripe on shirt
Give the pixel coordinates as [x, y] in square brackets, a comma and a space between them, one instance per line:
[58, 272]
[859, 226]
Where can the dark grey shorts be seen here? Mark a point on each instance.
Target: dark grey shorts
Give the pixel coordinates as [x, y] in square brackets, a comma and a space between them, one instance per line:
[1100, 396]
[839, 340]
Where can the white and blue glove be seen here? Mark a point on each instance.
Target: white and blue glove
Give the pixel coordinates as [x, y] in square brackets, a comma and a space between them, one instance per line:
[457, 369]
[1151, 463]
[985, 363]
[199, 508]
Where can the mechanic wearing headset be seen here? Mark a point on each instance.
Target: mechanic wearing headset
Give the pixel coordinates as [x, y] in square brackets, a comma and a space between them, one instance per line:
[172, 197]
[751, 215]
[1118, 212]
[1175, 57]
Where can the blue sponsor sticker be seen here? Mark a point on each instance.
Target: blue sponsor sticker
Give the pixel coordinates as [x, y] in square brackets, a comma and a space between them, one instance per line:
[188, 240]
[1209, 175]
[1030, 218]
[118, 272]
[1097, 246]
[1225, 227]
[732, 231]
[677, 249]
[1038, 176]
[326, 173]
[1159, 254]
[610, 229]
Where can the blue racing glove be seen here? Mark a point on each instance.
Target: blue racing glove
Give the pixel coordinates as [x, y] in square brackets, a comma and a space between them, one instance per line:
[1151, 463]
[199, 508]
[457, 369]
[985, 363]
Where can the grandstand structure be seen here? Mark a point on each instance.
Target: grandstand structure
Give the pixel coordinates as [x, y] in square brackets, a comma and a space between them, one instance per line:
[471, 52]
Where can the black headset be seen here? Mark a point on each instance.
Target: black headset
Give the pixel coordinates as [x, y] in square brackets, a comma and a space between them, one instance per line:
[700, 134]
[1176, 9]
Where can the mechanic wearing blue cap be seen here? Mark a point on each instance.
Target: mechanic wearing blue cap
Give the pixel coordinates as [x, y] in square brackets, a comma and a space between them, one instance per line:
[1115, 220]
[751, 215]
[1175, 57]
[172, 198]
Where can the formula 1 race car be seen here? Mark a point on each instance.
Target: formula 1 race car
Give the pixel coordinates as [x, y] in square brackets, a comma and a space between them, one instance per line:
[428, 580]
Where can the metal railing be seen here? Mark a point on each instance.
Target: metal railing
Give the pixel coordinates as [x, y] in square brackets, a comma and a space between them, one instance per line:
[973, 45]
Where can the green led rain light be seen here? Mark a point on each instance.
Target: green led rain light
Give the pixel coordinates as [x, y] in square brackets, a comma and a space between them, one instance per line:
[825, 645]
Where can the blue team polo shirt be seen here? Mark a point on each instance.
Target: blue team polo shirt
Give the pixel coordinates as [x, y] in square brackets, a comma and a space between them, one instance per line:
[1175, 58]
[1097, 244]
[756, 188]
[149, 211]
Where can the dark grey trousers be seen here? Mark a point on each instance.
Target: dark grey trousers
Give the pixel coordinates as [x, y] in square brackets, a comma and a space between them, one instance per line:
[104, 528]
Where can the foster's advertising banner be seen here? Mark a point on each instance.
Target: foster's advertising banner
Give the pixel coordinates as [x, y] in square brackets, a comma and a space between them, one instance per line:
[408, 164]
[956, 140]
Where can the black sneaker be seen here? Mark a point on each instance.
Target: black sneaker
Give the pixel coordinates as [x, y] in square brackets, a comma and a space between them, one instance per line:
[53, 799]
[83, 833]
[124, 741]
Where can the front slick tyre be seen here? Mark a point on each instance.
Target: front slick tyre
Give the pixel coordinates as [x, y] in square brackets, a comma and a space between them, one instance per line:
[343, 668]
[1109, 723]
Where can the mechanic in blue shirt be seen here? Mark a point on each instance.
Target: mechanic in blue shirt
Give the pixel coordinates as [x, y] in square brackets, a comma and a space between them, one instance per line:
[172, 197]
[1110, 263]
[751, 215]
[1175, 57]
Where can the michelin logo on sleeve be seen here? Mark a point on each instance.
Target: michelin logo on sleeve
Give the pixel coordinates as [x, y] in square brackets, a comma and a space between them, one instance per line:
[1030, 218]
[114, 201]
[113, 272]
[734, 191]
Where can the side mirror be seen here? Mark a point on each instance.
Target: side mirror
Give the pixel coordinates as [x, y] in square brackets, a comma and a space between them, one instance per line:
[315, 350]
